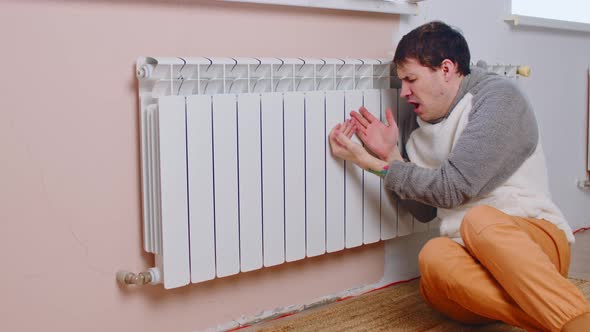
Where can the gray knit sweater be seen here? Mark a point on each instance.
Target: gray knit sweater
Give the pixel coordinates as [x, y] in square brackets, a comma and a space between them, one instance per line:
[500, 135]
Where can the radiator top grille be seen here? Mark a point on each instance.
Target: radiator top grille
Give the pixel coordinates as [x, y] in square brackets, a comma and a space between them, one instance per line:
[196, 76]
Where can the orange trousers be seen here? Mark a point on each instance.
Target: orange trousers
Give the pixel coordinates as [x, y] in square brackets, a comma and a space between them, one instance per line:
[511, 269]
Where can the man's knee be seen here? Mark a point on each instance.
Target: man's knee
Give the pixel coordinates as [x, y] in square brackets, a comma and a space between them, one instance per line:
[478, 218]
[431, 257]
[437, 261]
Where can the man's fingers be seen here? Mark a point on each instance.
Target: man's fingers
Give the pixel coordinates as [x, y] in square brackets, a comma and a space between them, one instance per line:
[347, 132]
[352, 130]
[335, 145]
[389, 116]
[342, 139]
[367, 115]
[363, 136]
[338, 144]
[335, 130]
[360, 128]
[359, 118]
[357, 125]
[338, 139]
[348, 128]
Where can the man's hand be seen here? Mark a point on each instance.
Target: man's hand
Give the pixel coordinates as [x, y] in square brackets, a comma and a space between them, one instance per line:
[342, 146]
[378, 137]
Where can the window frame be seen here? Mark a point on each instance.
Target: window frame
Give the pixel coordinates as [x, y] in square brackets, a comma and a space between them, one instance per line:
[407, 7]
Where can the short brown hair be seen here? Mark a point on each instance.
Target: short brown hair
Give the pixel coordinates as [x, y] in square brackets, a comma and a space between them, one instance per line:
[430, 44]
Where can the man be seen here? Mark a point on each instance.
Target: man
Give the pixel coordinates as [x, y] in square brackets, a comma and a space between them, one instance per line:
[476, 157]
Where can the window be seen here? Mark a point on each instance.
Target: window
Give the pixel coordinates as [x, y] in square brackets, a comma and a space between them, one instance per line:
[562, 14]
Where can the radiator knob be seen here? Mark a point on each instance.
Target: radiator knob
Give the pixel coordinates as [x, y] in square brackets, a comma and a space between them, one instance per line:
[145, 71]
[125, 277]
[523, 71]
[152, 276]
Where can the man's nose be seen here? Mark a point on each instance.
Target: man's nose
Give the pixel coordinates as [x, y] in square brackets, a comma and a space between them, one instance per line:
[405, 92]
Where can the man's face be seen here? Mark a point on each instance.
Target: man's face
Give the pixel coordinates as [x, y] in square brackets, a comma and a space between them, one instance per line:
[425, 89]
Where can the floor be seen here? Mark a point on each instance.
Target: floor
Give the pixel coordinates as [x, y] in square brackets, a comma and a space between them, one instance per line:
[579, 269]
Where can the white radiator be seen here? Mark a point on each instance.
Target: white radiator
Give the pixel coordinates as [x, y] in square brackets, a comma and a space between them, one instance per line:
[237, 172]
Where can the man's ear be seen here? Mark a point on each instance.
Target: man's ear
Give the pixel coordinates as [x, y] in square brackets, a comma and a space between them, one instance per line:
[449, 69]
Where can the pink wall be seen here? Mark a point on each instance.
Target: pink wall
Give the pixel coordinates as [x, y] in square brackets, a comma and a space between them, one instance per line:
[69, 170]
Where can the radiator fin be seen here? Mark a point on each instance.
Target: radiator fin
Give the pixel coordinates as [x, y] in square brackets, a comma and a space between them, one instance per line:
[199, 118]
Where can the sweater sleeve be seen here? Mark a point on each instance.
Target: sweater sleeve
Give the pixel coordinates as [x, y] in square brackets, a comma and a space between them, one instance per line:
[500, 135]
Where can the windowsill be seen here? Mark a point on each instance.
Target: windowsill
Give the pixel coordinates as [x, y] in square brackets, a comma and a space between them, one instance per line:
[408, 7]
[518, 20]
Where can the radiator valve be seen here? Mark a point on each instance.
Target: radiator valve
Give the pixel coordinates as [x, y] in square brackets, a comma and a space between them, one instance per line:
[151, 276]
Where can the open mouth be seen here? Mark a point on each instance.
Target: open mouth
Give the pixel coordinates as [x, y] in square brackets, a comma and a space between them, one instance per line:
[416, 106]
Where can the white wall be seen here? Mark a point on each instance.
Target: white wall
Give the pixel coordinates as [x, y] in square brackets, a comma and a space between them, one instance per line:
[557, 87]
